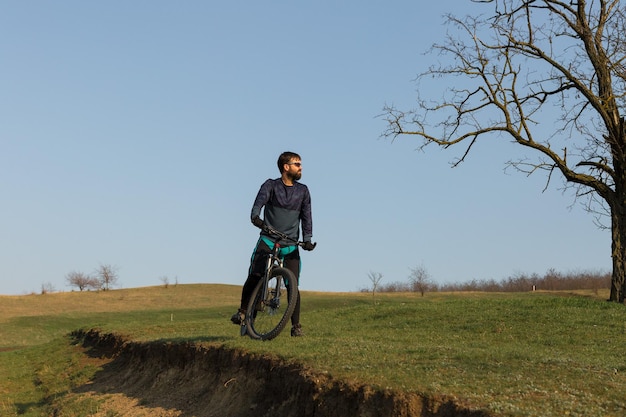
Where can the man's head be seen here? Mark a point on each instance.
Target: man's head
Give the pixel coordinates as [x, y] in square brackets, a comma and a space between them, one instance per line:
[290, 165]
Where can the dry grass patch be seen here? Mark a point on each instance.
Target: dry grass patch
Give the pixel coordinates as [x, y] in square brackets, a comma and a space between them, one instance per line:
[123, 300]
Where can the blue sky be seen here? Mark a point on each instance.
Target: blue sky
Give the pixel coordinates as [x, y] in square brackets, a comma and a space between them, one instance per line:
[136, 134]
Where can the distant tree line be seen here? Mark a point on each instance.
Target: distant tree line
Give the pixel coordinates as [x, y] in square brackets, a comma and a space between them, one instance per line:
[419, 281]
[552, 280]
[104, 278]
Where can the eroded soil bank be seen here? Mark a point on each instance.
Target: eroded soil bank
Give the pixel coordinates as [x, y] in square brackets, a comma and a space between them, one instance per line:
[187, 379]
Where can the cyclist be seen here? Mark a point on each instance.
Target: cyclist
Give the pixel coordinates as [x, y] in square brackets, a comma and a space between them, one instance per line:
[286, 203]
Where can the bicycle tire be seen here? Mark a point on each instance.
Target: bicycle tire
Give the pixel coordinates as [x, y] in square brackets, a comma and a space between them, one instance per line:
[266, 317]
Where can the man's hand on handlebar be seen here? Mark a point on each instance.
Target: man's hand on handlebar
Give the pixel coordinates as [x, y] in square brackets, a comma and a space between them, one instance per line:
[309, 246]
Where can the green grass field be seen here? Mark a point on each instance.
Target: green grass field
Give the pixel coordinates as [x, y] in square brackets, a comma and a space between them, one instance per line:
[521, 354]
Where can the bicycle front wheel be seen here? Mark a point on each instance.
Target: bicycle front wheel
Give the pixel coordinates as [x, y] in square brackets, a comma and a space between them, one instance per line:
[271, 304]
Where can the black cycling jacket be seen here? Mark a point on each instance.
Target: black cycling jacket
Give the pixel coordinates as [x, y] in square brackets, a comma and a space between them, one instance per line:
[285, 207]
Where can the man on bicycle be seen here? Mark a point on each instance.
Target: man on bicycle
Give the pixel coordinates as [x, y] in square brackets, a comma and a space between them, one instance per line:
[286, 204]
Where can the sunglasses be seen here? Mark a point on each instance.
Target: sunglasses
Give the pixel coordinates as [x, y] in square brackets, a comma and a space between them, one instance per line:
[298, 164]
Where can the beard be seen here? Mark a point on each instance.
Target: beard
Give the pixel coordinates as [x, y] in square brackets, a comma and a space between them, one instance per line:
[294, 176]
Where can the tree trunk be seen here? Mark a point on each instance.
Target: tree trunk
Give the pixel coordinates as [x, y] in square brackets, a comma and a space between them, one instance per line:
[617, 204]
[618, 240]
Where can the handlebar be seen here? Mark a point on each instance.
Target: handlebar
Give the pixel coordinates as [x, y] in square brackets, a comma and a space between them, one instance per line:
[282, 236]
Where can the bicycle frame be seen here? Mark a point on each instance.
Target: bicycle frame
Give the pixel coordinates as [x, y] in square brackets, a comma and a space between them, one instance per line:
[274, 260]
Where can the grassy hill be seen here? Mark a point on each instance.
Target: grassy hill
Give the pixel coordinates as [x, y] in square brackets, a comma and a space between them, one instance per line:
[522, 354]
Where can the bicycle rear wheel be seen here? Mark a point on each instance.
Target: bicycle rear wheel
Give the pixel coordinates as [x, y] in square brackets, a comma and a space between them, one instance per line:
[270, 308]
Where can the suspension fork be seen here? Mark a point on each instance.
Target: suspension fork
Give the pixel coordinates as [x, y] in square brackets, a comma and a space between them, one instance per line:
[272, 260]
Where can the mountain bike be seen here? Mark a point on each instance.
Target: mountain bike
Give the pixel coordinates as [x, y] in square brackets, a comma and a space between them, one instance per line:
[274, 298]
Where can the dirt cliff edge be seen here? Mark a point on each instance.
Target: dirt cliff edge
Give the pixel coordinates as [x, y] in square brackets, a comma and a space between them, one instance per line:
[187, 379]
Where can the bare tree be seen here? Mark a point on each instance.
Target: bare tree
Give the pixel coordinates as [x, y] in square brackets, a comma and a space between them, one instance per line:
[420, 280]
[511, 68]
[81, 280]
[375, 278]
[47, 288]
[107, 275]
